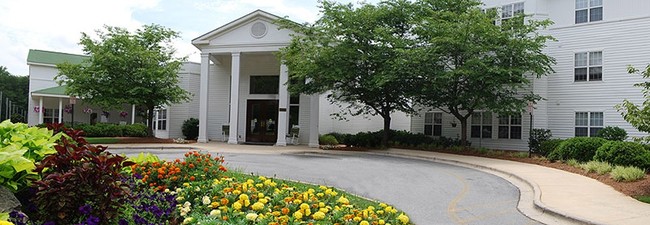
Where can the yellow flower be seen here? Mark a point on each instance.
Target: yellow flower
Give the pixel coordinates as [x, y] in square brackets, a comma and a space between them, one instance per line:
[264, 200]
[188, 220]
[6, 223]
[382, 222]
[403, 218]
[343, 200]
[186, 184]
[364, 223]
[214, 204]
[297, 215]
[318, 215]
[243, 197]
[304, 206]
[251, 216]
[258, 206]
[260, 195]
[357, 219]
[236, 205]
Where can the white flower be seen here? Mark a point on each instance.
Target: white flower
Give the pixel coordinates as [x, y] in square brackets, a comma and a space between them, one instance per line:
[206, 200]
[215, 212]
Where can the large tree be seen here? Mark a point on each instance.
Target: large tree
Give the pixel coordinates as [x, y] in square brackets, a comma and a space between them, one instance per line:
[124, 67]
[16, 89]
[638, 115]
[468, 59]
[355, 53]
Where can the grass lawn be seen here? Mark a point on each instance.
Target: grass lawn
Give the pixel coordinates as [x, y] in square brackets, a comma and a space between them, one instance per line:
[102, 140]
[643, 198]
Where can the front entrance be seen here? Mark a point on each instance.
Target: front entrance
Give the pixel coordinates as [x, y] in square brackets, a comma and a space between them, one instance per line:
[262, 121]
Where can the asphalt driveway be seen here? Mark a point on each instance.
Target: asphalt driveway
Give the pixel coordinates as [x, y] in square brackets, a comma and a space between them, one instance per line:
[429, 192]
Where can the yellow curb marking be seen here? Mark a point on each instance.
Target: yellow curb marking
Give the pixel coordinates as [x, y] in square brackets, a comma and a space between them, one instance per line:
[451, 208]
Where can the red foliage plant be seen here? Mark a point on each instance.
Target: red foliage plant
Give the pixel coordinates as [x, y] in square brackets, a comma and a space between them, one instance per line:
[79, 174]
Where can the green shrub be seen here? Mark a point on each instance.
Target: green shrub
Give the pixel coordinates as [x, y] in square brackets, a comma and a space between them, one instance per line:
[597, 167]
[548, 146]
[612, 133]
[327, 140]
[624, 154]
[134, 130]
[582, 149]
[627, 174]
[573, 163]
[537, 137]
[191, 129]
[341, 138]
[20, 147]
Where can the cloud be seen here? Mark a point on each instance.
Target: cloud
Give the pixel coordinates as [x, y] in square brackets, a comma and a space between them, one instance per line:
[57, 25]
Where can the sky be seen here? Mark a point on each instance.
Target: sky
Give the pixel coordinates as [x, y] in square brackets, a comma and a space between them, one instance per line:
[57, 25]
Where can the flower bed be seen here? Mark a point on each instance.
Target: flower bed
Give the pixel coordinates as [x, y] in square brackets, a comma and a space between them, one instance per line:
[84, 184]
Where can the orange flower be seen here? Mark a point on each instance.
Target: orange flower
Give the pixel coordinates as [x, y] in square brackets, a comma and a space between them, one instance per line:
[224, 201]
[222, 168]
[191, 166]
[285, 210]
[192, 178]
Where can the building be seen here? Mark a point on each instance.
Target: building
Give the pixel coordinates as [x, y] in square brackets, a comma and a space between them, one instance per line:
[234, 102]
[596, 41]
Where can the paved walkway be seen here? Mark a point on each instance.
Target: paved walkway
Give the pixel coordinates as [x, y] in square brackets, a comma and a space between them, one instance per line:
[548, 195]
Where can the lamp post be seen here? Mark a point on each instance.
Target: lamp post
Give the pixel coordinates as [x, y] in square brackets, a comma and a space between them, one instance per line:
[73, 100]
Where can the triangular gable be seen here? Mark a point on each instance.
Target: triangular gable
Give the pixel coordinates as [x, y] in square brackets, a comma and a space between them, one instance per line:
[254, 28]
[58, 91]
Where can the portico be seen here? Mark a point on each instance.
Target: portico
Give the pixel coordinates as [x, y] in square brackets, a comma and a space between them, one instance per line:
[243, 85]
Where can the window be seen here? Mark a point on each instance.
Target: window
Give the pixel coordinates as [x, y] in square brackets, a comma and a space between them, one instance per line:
[433, 124]
[589, 11]
[510, 10]
[510, 127]
[294, 111]
[50, 115]
[161, 119]
[265, 84]
[588, 123]
[588, 66]
[481, 125]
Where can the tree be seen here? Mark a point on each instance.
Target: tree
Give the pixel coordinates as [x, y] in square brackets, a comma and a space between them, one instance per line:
[466, 61]
[127, 68]
[355, 54]
[638, 115]
[16, 88]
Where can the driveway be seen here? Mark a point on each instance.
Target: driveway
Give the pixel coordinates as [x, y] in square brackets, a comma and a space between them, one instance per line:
[429, 192]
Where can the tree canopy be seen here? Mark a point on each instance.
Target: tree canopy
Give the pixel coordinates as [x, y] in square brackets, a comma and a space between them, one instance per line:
[638, 115]
[356, 54]
[469, 59]
[126, 67]
[16, 88]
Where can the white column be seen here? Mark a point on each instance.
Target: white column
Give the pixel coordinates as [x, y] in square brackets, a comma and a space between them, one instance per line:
[203, 98]
[234, 97]
[60, 110]
[132, 114]
[283, 115]
[40, 110]
[313, 121]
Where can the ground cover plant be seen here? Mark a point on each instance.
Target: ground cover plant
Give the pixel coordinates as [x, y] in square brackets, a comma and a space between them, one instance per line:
[86, 184]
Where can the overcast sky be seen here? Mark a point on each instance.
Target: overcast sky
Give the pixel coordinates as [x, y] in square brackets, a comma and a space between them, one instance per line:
[57, 25]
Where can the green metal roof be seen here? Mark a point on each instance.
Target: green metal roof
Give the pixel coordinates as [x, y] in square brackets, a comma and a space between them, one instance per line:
[60, 90]
[53, 58]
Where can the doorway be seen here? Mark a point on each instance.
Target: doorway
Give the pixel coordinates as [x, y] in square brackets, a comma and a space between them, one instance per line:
[262, 121]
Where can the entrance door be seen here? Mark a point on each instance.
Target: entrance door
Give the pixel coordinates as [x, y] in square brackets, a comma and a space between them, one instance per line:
[262, 121]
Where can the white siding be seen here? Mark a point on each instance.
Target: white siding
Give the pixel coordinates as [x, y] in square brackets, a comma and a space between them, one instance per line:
[218, 98]
[189, 79]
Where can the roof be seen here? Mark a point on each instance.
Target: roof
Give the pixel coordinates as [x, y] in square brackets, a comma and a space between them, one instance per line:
[204, 39]
[53, 91]
[53, 58]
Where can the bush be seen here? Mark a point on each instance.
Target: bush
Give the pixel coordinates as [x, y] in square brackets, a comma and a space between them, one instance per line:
[612, 133]
[134, 130]
[341, 138]
[596, 167]
[21, 146]
[624, 154]
[537, 137]
[327, 140]
[191, 129]
[582, 149]
[80, 176]
[113, 130]
[627, 174]
[548, 146]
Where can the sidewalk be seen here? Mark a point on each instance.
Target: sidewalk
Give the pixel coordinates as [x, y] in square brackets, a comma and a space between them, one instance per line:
[549, 195]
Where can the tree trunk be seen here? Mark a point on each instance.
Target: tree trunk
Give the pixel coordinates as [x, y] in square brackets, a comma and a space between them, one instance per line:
[150, 121]
[463, 131]
[386, 135]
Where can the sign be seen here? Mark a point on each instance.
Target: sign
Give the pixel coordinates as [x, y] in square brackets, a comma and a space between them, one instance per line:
[530, 107]
[73, 100]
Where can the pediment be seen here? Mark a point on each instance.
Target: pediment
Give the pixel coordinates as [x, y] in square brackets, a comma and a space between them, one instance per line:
[256, 28]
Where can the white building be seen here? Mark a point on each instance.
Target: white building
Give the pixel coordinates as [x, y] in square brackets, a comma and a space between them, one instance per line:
[596, 40]
[239, 82]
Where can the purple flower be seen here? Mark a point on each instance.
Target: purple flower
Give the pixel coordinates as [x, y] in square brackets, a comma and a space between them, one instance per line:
[85, 209]
[92, 220]
[122, 222]
[137, 176]
[49, 223]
